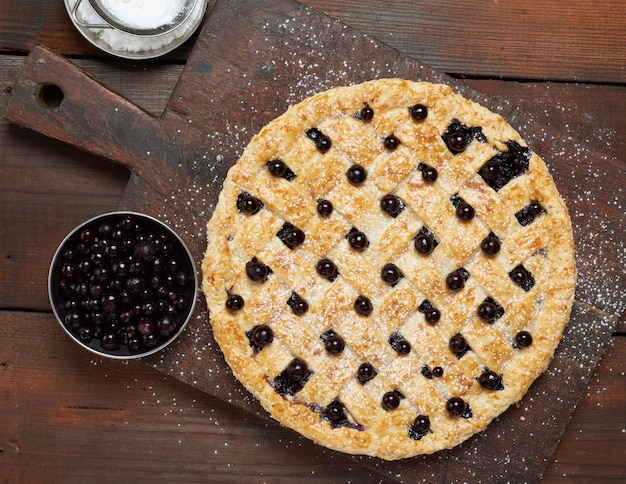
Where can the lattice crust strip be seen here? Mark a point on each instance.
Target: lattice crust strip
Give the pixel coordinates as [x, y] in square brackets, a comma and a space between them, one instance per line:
[389, 267]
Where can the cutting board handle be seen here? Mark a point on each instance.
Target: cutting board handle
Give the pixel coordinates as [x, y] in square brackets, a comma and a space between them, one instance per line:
[56, 98]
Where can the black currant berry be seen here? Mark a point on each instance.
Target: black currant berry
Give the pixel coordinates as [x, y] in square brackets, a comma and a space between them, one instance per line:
[365, 372]
[356, 174]
[391, 400]
[324, 208]
[489, 380]
[234, 302]
[262, 335]
[326, 268]
[363, 306]
[490, 245]
[390, 274]
[419, 112]
[455, 406]
[391, 142]
[523, 339]
[455, 281]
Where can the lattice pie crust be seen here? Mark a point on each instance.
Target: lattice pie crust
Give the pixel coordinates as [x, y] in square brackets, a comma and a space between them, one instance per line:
[389, 268]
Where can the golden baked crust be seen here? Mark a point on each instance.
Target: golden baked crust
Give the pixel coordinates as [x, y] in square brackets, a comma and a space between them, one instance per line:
[526, 287]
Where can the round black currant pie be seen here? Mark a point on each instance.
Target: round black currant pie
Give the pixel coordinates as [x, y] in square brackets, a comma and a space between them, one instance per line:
[389, 268]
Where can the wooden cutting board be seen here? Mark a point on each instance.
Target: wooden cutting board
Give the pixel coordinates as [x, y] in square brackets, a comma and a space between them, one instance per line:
[251, 60]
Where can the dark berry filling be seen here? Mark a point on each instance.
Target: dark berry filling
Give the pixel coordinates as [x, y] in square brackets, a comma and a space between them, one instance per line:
[234, 302]
[430, 312]
[366, 113]
[314, 134]
[437, 372]
[336, 413]
[248, 204]
[535, 208]
[464, 211]
[458, 345]
[279, 169]
[327, 269]
[324, 208]
[418, 112]
[419, 428]
[293, 378]
[505, 166]
[425, 241]
[365, 373]
[391, 205]
[522, 277]
[429, 173]
[490, 380]
[298, 305]
[427, 372]
[356, 174]
[391, 274]
[256, 270]
[322, 142]
[291, 236]
[458, 136]
[523, 339]
[363, 306]
[490, 244]
[527, 215]
[358, 240]
[399, 344]
[391, 142]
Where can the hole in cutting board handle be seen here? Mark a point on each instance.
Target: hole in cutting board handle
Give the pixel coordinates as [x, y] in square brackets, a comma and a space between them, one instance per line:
[50, 96]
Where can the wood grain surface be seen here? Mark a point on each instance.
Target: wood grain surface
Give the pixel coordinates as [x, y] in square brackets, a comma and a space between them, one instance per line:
[577, 41]
[50, 188]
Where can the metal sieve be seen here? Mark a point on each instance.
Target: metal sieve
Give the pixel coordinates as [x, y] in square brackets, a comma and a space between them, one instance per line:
[100, 22]
[168, 25]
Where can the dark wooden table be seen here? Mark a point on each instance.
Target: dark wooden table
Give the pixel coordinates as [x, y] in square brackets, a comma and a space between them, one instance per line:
[67, 416]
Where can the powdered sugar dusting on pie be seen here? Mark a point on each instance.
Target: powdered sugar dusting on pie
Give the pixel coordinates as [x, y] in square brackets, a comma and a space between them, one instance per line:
[389, 267]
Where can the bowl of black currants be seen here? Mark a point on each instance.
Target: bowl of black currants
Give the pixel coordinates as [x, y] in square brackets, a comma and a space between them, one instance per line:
[123, 285]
